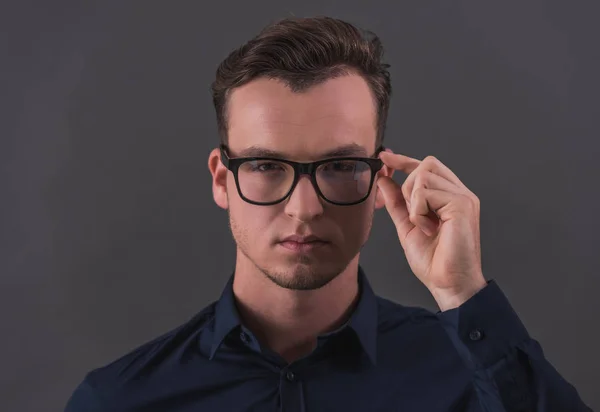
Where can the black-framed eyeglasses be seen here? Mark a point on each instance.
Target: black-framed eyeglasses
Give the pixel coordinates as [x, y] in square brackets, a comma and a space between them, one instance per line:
[342, 181]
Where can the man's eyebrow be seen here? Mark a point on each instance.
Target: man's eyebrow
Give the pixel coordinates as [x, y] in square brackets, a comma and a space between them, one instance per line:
[257, 151]
[352, 149]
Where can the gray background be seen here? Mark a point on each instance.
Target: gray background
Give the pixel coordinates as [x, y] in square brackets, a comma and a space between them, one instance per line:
[109, 234]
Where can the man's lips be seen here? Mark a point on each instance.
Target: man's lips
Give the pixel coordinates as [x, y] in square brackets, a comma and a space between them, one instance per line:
[298, 243]
[302, 239]
[302, 247]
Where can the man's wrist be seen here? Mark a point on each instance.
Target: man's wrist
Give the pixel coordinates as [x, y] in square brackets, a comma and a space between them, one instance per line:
[451, 299]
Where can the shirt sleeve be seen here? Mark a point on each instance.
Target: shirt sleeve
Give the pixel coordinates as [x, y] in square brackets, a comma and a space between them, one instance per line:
[511, 372]
[84, 399]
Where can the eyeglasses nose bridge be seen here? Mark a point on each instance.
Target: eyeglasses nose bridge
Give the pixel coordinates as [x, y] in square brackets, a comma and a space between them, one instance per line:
[308, 170]
[305, 168]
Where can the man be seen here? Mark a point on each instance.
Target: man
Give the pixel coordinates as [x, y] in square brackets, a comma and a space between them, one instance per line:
[301, 111]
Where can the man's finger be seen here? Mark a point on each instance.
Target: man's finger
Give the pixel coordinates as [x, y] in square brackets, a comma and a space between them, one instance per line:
[428, 180]
[399, 162]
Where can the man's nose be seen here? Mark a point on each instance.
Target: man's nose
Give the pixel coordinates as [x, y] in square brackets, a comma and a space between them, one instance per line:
[304, 203]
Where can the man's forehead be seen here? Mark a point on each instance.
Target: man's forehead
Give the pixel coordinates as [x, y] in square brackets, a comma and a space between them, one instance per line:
[333, 119]
[345, 102]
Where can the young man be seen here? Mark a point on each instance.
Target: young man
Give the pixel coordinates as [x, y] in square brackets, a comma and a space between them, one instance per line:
[301, 111]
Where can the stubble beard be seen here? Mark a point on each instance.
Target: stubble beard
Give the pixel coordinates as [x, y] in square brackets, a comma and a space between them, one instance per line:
[303, 273]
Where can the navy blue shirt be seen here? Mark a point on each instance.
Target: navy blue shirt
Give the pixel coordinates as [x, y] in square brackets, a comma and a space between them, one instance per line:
[387, 357]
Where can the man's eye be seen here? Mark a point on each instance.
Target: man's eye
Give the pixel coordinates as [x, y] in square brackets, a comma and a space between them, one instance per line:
[341, 166]
[267, 167]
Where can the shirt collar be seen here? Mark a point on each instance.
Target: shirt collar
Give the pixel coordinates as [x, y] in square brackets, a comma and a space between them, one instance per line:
[363, 320]
[227, 317]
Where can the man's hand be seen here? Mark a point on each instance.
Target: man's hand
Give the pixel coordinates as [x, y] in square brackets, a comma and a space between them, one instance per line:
[437, 220]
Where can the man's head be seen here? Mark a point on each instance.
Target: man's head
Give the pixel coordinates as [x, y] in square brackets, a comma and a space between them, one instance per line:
[303, 90]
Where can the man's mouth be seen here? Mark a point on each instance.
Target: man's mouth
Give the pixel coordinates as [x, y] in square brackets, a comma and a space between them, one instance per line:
[302, 243]
[303, 246]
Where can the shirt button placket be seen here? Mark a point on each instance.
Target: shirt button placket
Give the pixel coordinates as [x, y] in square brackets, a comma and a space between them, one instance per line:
[290, 389]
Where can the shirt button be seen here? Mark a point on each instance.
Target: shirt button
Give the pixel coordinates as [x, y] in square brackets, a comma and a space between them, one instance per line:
[475, 334]
[290, 376]
[244, 337]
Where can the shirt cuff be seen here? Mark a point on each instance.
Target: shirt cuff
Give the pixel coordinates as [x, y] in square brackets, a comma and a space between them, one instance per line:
[487, 324]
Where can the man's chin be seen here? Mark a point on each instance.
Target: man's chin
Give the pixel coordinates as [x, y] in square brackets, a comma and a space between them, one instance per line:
[303, 275]
[299, 283]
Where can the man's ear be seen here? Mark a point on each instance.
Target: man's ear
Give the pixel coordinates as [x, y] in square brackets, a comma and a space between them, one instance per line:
[387, 172]
[219, 178]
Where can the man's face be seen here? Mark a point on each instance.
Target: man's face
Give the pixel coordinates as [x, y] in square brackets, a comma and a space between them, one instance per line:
[302, 127]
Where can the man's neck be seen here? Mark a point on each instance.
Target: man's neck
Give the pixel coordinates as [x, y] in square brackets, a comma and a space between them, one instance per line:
[289, 321]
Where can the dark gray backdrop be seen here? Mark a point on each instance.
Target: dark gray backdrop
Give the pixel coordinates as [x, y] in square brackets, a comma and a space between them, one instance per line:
[109, 234]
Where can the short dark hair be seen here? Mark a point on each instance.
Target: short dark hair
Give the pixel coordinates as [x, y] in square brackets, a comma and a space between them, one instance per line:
[303, 52]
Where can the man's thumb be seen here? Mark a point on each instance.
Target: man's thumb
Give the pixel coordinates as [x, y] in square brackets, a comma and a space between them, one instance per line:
[395, 203]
